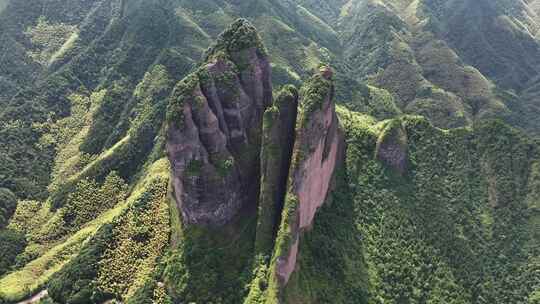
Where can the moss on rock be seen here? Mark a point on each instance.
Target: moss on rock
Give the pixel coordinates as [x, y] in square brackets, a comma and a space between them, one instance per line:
[239, 36]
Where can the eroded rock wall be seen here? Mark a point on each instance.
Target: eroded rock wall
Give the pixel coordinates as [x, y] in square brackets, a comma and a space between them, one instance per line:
[231, 150]
[277, 146]
[318, 154]
[214, 130]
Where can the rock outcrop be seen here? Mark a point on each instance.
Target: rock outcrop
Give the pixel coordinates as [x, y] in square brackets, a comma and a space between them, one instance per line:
[392, 147]
[318, 154]
[277, 145]
[214, 129]
[231, 149]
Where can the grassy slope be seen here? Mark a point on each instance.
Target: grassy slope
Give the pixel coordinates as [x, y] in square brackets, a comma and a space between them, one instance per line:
[36, 274]
[33, 276]
[500, 46]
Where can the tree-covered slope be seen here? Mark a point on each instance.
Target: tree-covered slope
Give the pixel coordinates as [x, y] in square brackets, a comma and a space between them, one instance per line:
[314, 152]
[458, 225]
[408, 53]
[452, 61]
[56, 51]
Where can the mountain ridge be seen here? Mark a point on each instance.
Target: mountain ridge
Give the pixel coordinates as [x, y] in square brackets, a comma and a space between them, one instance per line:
[142, 162]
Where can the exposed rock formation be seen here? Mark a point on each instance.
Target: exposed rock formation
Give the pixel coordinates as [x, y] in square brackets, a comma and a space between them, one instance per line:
[392, 147]
[215, 121]
[229, 149]
[318, 153]
[277, 145]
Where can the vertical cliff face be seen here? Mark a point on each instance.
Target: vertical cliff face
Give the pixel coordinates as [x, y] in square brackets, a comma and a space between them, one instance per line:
[319, 149]
[277, 145]
[232, 147]
[318, 154]
[215, 121]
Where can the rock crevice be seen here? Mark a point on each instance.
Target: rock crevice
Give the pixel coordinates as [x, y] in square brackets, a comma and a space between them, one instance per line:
[277, 146]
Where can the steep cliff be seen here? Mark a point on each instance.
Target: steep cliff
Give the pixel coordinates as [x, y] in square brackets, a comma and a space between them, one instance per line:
[215, 127]
[319, 148]
[276, 153]
[318, 153]
[233, 149]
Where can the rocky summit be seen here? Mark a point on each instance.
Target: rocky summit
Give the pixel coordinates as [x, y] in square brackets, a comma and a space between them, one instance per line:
[270, 152]
[214, 135]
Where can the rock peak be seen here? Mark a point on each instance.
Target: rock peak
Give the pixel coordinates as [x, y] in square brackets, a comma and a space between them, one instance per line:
[326, 72]
[239, 36]
[318, 153]
[392, 146]
[214, 130]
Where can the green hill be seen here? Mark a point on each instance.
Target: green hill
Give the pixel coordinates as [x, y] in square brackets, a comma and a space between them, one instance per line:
[270, 151]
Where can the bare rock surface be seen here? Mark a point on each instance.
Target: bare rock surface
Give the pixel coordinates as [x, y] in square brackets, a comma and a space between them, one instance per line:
[215, 121]
[318, 153]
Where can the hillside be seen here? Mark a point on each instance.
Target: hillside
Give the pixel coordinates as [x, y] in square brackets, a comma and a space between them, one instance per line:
[284, 151]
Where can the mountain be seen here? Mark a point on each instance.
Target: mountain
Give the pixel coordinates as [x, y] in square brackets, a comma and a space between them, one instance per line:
[270, 151]
[452, 61]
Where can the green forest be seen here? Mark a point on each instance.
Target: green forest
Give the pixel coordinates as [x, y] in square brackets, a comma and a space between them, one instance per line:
[270, 151]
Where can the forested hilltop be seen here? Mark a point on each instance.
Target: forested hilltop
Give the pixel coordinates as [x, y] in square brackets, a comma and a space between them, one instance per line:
[270, 151]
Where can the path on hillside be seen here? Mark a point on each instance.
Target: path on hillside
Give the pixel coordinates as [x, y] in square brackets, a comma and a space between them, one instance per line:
[40, 295]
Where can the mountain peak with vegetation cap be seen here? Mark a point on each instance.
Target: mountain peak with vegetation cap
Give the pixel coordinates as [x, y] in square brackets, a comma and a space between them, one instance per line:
[241, 35]
[136, 167]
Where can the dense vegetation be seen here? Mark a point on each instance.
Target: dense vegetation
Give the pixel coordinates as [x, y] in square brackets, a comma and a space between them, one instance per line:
[443, 233]
[86, 209]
